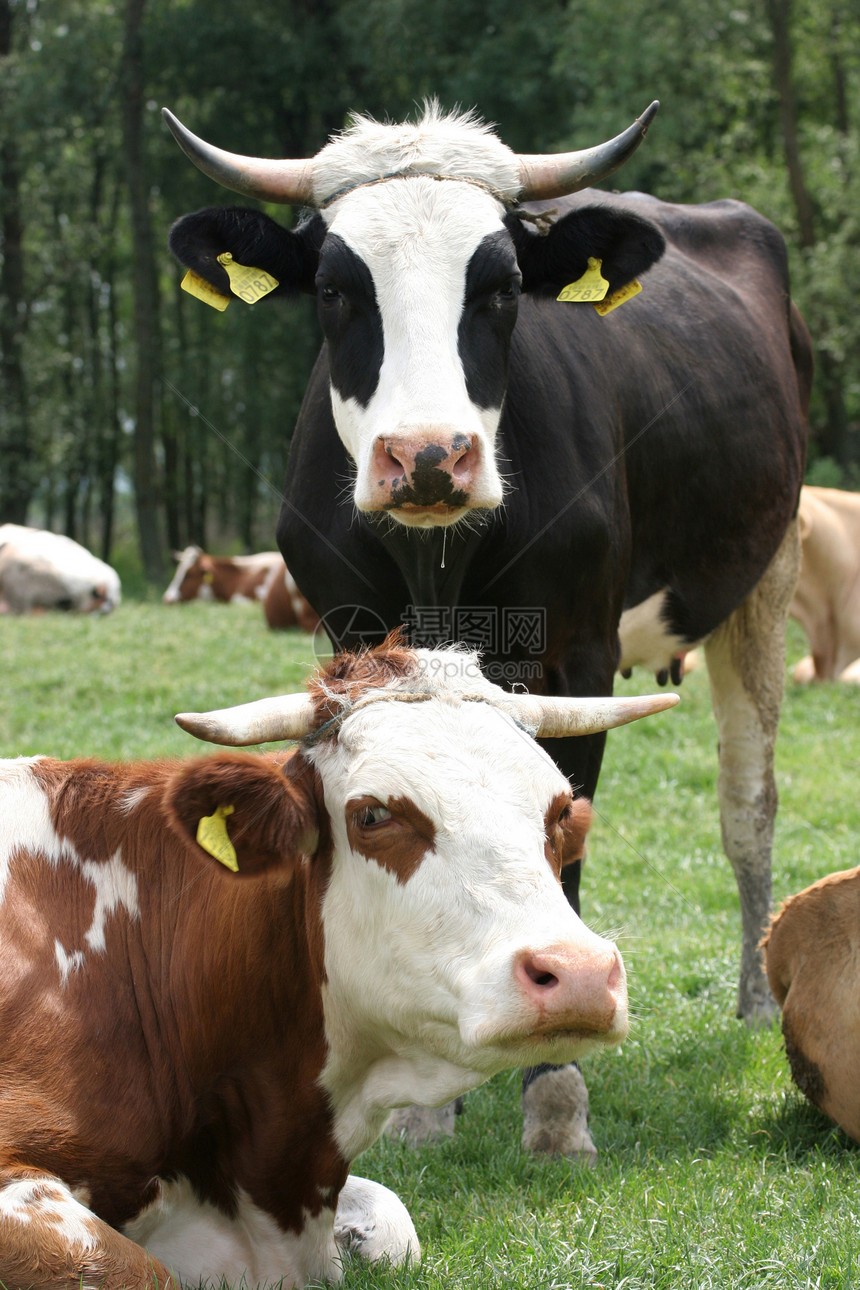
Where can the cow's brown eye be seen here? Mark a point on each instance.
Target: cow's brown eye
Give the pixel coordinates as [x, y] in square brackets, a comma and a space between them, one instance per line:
[370, 815]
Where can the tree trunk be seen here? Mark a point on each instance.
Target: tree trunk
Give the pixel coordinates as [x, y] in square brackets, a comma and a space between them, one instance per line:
[145, 296]
[18, 476]
[834, 438]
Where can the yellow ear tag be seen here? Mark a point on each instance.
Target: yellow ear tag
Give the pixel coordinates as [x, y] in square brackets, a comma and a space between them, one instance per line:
[619, 297]
[248, 284]
[590, 287]
[199, 287]
[209, 578]
[212, 836]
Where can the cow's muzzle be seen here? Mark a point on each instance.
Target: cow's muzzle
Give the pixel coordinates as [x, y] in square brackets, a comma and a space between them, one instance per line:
[429, 472]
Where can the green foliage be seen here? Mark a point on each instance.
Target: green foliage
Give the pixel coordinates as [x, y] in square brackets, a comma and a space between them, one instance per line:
[713, 1170]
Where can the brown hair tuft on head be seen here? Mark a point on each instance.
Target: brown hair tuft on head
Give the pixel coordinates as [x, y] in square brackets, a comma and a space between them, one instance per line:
[351, 674]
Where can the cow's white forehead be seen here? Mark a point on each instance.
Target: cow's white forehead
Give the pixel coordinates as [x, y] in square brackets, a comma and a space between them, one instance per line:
[442, 752]
[414, 225]
[457, 145]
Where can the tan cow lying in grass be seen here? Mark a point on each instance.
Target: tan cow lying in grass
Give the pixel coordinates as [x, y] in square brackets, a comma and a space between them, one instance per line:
[812, 959]
[827, 599]
[194, 1052]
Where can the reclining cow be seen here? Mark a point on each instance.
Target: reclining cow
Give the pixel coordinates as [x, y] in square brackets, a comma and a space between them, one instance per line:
[812, 953]
[564, 467]
[44, 570]
[231, 579]
[283, 604]
[194, 1052]
[827, 597]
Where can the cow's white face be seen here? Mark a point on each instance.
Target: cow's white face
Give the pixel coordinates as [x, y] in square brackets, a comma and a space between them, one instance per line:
[450, 947]
[417, 289]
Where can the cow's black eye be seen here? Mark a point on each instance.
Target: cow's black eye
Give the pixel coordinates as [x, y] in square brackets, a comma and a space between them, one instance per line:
[329, 294]
[506, 294]
[370, 815]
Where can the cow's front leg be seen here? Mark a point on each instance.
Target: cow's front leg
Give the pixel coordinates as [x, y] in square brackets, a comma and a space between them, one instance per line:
[372, 1223]
[49, 1240]
[746, 666]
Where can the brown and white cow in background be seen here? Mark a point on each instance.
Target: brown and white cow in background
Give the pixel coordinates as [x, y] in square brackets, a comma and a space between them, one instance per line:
[827, 599]
[284, 605]
[194, 1052]
[230, 579]
[812, 958]
[44, 570]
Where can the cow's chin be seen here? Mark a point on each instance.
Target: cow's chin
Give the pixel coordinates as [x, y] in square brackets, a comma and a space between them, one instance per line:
[412, 516]
[509, 1049]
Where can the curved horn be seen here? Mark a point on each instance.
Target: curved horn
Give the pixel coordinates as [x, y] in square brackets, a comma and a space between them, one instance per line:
[287, 717]
[567, 172]
[558, 718]
[287, 182]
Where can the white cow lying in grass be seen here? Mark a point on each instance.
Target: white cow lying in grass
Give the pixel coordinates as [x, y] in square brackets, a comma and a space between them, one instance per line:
[42, 570]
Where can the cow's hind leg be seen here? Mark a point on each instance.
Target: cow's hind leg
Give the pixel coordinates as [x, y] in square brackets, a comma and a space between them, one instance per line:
[49, 1240]
[746, 666]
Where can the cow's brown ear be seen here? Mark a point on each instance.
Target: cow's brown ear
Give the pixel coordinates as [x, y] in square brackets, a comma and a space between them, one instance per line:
[245, 812]
[575, 826]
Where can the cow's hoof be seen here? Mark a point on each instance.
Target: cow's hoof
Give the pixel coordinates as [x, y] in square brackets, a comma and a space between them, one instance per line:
[419, 1126]
[555, 1116]
[371, 1223]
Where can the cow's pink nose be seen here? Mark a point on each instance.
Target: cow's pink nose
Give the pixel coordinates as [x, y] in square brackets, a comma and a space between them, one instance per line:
[571, 988]
[424, 467]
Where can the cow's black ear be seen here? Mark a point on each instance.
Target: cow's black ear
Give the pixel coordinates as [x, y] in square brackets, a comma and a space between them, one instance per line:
[290, 255]
[626, 244]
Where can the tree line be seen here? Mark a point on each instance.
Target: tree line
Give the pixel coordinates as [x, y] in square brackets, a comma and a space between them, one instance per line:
[121, 396]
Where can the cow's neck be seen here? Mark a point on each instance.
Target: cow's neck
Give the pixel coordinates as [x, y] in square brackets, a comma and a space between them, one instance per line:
[366, 1078]
[433, 563]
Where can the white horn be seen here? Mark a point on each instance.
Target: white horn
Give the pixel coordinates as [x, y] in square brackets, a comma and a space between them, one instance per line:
[268, 720]
[554, 718]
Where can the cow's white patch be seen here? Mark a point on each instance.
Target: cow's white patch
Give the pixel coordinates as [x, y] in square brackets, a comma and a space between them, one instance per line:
[50, 1203]
[26, 817]
[416, 238]
[238, 599]
[199, 1241]
[188, 558]
[115, 886]
[131, 799]
[645, 638]
[27, 828]
[67, 963]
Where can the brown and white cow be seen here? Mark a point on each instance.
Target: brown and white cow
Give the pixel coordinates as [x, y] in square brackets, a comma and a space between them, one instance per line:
[228, 578]
[827, 599]
[284, 605]
[812, 959]
[194, 1052]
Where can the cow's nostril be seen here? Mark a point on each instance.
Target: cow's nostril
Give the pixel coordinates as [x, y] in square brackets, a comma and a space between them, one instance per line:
[545, 980]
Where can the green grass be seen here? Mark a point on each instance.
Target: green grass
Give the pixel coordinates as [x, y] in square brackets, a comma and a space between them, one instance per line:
[713, 1170]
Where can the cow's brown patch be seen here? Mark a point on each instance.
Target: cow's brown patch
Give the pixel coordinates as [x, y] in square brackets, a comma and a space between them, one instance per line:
[350, 675]
[399, 843]
[566, 824]
[193, 1043]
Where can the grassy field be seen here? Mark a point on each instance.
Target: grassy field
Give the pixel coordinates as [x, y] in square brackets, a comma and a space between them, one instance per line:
[713, 1170]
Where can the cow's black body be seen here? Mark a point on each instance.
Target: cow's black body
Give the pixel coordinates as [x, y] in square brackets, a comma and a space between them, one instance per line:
[659, 446]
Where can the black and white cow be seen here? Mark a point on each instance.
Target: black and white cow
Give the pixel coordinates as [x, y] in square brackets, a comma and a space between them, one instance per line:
[632, 475]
